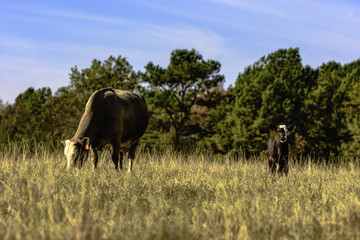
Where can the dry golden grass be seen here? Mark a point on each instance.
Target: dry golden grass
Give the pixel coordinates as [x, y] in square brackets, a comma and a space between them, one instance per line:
[175, 196]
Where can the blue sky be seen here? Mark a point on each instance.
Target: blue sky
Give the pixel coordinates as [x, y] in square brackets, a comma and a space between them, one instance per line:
[41, 40]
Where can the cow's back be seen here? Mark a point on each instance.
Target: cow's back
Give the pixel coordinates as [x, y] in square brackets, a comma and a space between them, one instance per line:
[114, 114]
[133, 114]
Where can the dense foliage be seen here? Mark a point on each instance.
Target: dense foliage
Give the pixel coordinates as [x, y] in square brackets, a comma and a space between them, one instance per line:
[174, 91]
[322, 103]
[190, 109]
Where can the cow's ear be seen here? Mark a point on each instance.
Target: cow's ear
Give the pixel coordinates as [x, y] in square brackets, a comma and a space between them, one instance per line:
[272, 127]
[86, 143]
[291, 128]
[63, 143]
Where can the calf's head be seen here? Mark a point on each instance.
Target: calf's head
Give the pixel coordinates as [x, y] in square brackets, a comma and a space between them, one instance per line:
[281, 131]
[75, 151]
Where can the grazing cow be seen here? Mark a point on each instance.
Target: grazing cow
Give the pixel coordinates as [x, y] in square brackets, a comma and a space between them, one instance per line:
[278, 148]
[112, 118]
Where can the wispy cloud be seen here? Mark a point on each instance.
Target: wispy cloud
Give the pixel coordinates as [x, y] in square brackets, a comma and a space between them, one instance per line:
[47, 39]
[264, 7]
[62, 13]
[39, 70]
[19, 73]
[205, 41]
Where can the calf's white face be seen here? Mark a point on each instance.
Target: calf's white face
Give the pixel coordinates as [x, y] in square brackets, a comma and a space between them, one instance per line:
[283, 130]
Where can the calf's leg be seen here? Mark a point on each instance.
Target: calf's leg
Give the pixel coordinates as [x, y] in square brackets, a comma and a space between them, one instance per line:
[272, 165]
[283, 166]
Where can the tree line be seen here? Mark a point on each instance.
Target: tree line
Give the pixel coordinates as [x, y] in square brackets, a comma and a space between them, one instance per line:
[189, 108]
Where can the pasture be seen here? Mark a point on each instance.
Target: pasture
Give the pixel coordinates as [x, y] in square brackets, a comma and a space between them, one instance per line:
[175, 196]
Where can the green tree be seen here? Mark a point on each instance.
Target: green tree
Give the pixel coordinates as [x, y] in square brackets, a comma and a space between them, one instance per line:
[38, 115]
[272, 90]
[22, 120]
[325, 104]
[350, 87]
[173, 91]
[2, 108]
[219, 136]
[63, 111]
[61, 115]
[113, 72]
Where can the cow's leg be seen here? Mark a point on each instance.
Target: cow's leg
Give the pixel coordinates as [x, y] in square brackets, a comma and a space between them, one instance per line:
[82, 160]
[84, 157]
[115, 155]
[121, 159]
[94, 156]
[132, 155]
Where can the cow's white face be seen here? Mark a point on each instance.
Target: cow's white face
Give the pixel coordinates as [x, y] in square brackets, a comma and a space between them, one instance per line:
[72, 152]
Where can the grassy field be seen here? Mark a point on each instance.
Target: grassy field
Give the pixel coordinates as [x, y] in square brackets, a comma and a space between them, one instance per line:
[174, 196]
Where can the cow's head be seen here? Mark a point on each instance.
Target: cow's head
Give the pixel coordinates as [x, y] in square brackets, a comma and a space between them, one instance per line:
[75, 151]
[281, 131]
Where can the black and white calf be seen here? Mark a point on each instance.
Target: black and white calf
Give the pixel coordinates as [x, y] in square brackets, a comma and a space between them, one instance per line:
[278, 148]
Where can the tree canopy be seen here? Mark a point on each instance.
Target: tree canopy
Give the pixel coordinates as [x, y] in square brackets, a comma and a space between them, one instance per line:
[174, 90]
[189, 108]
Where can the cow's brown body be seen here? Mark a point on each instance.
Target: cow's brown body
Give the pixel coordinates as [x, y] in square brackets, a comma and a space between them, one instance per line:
[112, 118]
